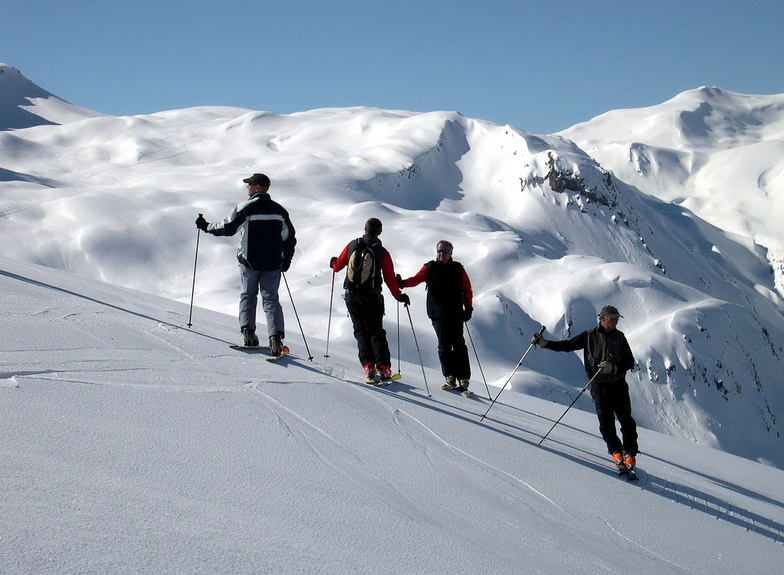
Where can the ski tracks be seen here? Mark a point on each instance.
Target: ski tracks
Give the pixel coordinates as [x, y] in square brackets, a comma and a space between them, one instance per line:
[421, 498]
[431, 441]
[340, 458]
[645, 549]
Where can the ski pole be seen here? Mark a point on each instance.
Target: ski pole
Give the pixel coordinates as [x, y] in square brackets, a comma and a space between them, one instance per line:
[587, 385]
[519, 363]
[310, 356]
[471, 339]
[329, 321]
[418, 352]
[193, 285]
[398, 340]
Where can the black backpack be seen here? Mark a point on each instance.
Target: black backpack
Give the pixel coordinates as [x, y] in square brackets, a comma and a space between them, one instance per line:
[361, 270]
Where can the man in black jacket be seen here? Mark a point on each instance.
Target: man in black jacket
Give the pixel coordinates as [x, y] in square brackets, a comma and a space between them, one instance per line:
[267, 243]
[449, 306]
[607, 357]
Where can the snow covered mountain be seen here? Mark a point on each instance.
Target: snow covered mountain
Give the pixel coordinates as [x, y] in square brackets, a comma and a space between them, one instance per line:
[718, 153]
[547, 234]
[133, 444]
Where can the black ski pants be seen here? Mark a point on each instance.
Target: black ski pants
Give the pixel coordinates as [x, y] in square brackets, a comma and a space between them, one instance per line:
[366, 310]
[611, 400]
[452, 350]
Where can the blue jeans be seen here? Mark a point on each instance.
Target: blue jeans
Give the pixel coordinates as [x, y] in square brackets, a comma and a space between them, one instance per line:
[267, 283]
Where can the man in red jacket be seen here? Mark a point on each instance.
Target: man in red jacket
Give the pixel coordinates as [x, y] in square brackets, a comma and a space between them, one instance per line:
[368, 260]
[449, 305]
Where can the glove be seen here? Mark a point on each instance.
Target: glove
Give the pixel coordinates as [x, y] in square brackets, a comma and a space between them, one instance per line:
[399, 281]
[467, 313]
[201, 223]
[608, 367]
[538, 340]
[404, 299]
[285, 265]
[332, 262]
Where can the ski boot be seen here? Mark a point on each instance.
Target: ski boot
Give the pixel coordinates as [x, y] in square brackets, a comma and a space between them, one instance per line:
[619, 462]
[450, 384]
[463, 388]
[249, 338]
[385, 373]
[276, 345]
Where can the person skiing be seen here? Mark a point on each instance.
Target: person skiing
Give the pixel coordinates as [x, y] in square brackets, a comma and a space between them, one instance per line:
[449, 306]
[607, 357]
[367, 261]
[267, 241]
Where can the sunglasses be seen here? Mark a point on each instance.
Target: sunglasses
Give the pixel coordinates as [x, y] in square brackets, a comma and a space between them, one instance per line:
[443, 251]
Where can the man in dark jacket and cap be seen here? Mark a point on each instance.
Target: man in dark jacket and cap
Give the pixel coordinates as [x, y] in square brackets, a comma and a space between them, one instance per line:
[449, 306]
[607, 357]
[266, 248]
[364, 299]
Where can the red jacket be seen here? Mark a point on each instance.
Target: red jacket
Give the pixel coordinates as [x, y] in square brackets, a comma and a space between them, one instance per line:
[386, 265]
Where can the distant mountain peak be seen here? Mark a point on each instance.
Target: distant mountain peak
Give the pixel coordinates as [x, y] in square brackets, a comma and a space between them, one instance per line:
[710, 91]
[24, 104]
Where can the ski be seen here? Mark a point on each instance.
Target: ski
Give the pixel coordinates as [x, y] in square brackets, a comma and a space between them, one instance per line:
[263, 349]
[465, 393]
[284, 352]
[627, 473]
[630, 475]
[378, 382]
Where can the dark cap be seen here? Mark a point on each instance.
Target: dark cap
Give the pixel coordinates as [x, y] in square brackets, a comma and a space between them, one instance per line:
[609, 311]
[373, 227]
[258, 180]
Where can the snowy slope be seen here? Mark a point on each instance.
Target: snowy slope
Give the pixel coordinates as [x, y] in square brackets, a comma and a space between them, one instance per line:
[547, 235]
[133, 444]
[715, 152]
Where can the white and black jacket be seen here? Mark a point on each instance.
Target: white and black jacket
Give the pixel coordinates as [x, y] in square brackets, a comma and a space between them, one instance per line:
[267, 237]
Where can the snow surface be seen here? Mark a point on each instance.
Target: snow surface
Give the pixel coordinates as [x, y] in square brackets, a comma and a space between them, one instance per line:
[123, 425]
[134, 444]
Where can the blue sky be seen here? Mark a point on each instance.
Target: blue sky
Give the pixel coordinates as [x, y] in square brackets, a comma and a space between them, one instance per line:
[540, 66]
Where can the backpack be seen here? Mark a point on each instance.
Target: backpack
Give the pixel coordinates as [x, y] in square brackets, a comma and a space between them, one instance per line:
[361, 269]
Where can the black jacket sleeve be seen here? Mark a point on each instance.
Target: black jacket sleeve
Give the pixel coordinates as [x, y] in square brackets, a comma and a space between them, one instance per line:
[577, 342]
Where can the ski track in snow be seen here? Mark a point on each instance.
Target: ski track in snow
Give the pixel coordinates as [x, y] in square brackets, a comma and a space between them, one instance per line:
[343, 459]
[416, 506]
[644, 549]
[453, 449]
